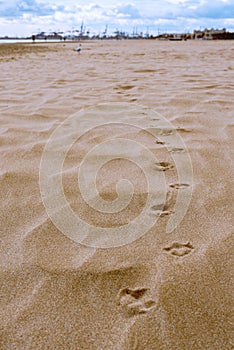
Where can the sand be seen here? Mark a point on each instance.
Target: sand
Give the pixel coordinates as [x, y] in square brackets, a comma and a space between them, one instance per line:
[164, 290]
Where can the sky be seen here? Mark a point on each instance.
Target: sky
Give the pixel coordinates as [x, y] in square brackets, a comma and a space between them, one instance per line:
[26, 17]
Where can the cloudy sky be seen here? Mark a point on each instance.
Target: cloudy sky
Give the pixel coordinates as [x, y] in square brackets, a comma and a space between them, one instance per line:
[24, 17]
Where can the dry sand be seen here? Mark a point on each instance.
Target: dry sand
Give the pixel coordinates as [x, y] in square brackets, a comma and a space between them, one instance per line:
[163, 291]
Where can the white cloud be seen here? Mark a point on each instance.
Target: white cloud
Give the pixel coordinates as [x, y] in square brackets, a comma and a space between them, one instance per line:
[25, 16]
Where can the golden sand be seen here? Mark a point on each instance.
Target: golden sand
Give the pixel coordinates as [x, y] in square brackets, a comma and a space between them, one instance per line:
[163, 291]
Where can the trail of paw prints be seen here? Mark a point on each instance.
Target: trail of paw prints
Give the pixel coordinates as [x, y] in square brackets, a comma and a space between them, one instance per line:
[135, 301]
[179, 249]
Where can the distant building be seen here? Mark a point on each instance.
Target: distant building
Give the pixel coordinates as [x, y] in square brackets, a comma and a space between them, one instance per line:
[50, 36]
[41, 35]
[176, 37]
[208, 34]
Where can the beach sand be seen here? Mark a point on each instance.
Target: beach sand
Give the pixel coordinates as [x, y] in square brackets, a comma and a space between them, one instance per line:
[162, 291]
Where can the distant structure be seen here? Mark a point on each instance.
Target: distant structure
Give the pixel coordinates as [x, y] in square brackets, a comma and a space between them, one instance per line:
[83, 34]
[210, 34]
[173, 37]
[206, 34]
[49, 36]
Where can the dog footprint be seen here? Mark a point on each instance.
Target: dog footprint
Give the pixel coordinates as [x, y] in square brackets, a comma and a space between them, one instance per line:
[159, 142]
[163, 166]
[164, 209]
[135, 301]
[166, 212]
[179, 249]
[167, 132]
[135, 293]
[177, 150]
[179, 186]
[184, 130]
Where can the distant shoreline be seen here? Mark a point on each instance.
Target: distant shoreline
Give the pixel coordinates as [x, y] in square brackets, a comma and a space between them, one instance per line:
[25, 41]
[206, 34]
[51, 41]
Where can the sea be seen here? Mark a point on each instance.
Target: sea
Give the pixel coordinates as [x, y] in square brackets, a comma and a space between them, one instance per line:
[13, 41]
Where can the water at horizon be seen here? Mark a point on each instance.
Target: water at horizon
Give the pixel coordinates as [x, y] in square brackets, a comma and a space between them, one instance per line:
[14, 41]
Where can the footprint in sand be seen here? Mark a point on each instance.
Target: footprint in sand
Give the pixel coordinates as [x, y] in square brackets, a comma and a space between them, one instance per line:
[183, 130]
[163, 131]
[166, 212]
[125, 87]
[167, 132]
[177, 150]
[135, 301]
[157, 132]
[166, 207]
[179, 186]
[179, 249]
[159, 142]
[163, 166]
[160, 212]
